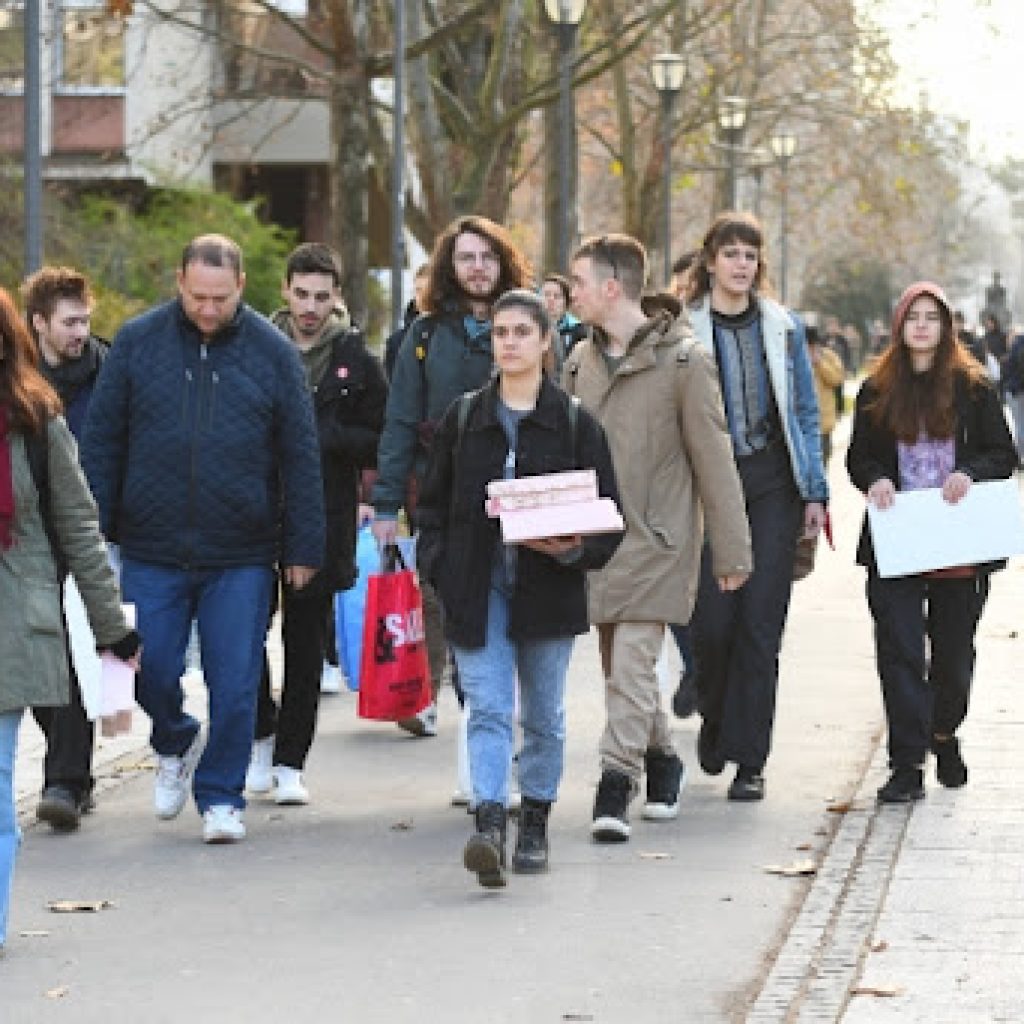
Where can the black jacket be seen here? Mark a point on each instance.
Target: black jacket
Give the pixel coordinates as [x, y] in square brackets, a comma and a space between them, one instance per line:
[984, 448]
[457, 539]
[74, 381]
[348, 403]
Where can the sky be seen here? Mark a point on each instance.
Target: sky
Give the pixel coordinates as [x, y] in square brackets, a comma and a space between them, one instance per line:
[968, 56]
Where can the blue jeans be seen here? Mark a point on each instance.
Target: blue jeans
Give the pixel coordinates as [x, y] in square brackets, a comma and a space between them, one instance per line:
[230, 607]
[10, 835]
[488, 676]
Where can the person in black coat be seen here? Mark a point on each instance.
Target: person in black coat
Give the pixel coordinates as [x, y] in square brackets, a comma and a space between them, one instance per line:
[511, 608]
[927, 417]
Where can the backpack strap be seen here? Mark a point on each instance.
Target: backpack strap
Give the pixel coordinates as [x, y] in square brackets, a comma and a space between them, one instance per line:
[37, 446]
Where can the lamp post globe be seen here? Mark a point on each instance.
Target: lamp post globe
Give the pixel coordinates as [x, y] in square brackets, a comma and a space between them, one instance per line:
[732, 118]
[783, 146]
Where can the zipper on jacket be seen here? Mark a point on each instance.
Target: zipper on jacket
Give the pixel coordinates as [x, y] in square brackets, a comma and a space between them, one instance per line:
[194, 454]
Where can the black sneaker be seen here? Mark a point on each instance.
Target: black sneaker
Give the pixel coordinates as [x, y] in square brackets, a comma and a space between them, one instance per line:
[666, 775]
[748, 785]
[711, 762]
[904, 785]
[59, 808]
[485, 851]
[684, 701]
[611, 807]
[950, 769]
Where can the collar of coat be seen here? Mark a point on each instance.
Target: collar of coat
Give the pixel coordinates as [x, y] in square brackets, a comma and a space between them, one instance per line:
[546, 413]
[338, 323]
[660, 329]
[775, 323]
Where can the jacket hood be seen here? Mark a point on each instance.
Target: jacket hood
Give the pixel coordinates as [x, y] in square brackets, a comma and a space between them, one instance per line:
[339, 322]
[915, 291]
[661, 329]
[658, 301]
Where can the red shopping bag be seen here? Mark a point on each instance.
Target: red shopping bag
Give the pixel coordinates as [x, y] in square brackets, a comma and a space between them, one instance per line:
[394, 678]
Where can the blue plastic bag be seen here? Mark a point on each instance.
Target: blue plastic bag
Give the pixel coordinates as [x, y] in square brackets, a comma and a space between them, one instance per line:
[350, 607]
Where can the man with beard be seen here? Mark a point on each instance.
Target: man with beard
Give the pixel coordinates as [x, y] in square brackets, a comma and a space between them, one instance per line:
[349, 393]
[58, 308]
[446, 352]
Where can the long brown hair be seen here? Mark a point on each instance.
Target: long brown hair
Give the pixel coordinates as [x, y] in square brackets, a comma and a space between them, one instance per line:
[29, 400]
[907, 402]
[443, 286]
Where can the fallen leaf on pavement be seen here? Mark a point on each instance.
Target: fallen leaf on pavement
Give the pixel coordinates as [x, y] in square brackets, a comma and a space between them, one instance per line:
[77, 906]
[879, 991]
[57, 993]
[880, 946]
[805, 846]
[34, 933]
[577, 1016]
[402, 826]
[650, 855]
[797, 868]
[840, 807]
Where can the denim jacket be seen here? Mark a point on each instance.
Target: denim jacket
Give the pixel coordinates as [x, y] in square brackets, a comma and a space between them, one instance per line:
[792, 383]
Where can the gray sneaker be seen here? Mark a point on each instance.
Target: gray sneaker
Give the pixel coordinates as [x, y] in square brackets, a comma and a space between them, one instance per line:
[173, 776]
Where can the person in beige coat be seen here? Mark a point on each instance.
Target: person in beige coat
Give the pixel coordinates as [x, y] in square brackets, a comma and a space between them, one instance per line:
[656, 395]
[33, 648]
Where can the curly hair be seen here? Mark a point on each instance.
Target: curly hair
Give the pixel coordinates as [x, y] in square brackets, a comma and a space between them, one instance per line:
[46, 287]
[443, 287]
[29, 400]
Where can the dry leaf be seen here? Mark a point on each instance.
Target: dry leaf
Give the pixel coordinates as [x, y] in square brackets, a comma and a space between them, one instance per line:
[34, 933]
[77, 906]
[577, 1016]
[805, 846]
[840, 807]
[880, 946]
[405, 825]
[880, 991]
[650, 855]
[57, 993]
[794, 870]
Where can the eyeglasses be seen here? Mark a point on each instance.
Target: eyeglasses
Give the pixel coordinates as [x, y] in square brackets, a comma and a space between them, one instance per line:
[605, 251]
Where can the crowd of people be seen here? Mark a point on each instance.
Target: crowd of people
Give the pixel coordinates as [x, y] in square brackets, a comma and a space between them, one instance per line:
[227, 459]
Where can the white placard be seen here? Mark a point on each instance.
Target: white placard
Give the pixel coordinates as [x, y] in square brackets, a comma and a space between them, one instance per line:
[921, 531]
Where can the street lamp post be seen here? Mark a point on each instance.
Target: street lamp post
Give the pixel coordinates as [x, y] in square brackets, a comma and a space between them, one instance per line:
[398, 169]
[732, 116]
[783, 146]
[32, 140]
[667, 72]
[565, 15]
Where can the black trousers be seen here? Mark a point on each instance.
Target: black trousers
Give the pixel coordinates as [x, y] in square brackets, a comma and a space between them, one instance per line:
[924, 647]
[304, 621]
[69, 740]
[736, 636]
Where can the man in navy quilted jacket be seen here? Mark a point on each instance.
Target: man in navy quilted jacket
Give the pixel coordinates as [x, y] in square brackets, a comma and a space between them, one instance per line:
[201, 450]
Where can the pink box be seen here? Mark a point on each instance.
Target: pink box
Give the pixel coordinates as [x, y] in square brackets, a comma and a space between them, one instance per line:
[551, 505]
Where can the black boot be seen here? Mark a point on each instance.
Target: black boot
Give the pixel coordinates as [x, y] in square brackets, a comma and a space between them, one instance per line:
[950, 769]
[485, 851]
[531, 856]
[904, 785]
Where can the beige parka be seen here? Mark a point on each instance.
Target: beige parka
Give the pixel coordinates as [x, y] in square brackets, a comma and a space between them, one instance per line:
[33, 653]
[663, 414]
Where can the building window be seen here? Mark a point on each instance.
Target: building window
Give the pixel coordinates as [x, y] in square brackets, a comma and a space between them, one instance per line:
[92, 48]
[12, 48]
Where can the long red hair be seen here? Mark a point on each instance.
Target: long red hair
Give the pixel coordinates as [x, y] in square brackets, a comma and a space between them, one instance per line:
[24, 392]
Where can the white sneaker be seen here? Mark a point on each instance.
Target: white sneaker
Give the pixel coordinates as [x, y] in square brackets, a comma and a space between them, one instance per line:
[330, 678]
[423, 723]
[173, 775]
[289, 788]
[259, 776]
[223, 823]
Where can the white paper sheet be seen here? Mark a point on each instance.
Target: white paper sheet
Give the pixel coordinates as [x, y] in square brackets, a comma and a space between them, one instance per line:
[921, 532]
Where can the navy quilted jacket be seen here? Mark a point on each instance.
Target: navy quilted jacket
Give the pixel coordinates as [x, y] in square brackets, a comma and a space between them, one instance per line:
[205, 455]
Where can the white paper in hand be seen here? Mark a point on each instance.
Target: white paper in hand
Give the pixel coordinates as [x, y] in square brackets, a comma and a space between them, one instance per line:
[87, 663]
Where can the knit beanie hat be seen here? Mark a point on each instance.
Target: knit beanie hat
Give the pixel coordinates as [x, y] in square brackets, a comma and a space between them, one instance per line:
[906, 300]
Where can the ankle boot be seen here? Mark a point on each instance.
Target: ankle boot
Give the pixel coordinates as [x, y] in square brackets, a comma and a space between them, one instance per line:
[485, 851]
[531, 856]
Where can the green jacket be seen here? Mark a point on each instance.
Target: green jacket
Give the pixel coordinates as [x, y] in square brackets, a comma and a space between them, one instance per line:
[33, 652]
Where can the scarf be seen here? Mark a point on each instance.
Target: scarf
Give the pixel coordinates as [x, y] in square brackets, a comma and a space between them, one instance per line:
[6, 485]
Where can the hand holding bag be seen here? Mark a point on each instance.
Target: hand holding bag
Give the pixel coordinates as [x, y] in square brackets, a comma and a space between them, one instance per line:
[394, 677]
